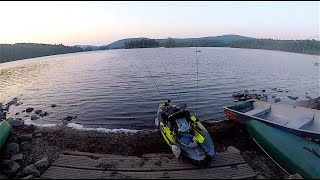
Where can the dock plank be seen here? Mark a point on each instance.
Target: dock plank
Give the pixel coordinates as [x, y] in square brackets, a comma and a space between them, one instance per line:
[133, 163]
[98, 166]
[228, 172]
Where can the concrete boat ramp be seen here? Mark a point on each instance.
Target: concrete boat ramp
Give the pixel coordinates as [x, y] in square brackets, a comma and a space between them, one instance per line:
[81, 165]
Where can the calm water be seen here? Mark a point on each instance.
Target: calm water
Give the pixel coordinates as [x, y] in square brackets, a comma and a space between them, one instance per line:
[113, 88]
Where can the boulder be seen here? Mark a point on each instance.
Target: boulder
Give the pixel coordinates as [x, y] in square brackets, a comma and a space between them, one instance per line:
[16, 157]
[29, 110]
[43, 163]
[11, 149]
[232, 149]
[31, 170]
[38, 111]
[34, 117]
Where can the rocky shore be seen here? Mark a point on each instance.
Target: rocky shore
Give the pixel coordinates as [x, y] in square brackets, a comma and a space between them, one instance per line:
[30, 150]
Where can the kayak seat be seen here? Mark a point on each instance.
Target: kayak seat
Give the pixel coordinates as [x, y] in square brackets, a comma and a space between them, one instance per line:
[186, 139]
[258, 111]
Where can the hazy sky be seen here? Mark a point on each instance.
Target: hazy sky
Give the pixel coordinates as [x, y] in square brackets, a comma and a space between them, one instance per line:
[100, 23]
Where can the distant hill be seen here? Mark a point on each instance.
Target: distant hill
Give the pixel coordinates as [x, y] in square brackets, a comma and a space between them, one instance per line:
[11, 52]
[225, 40]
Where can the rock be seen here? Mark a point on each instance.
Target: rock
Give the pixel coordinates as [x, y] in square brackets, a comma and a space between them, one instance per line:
[273, 96]
[17, 113]
[263, 90]
[23, 111]
[3, 115]
[277, 99]
[69, 118]
[14, 101]
[29, 110]
[43, 163]
[31, 170]
[10, 168]
[292, 97]
[34, 117]
[53, 105]
[29, 177]
[11, 149]
[16, 157]
[44, 114]
[15, 121]
[38, 111]
[232, 149]
[24, 137]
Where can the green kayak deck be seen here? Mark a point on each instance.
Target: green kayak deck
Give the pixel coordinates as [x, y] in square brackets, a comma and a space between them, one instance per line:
[5, 129]
[293, 153]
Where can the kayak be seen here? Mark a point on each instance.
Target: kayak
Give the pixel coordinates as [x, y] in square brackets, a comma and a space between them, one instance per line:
[184, 133]
[293, 153]
[5, 129]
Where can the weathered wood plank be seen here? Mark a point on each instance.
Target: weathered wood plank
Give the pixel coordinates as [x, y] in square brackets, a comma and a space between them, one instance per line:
[227, 172]
[132, 163]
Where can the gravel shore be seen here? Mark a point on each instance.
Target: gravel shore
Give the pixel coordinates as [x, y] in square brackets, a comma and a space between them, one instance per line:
[43, 145]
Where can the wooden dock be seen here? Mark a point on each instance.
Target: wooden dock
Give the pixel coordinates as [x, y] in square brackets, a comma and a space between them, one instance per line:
[80, 165]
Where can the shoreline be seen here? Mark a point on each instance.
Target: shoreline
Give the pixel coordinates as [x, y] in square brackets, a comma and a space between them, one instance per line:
[38, 144]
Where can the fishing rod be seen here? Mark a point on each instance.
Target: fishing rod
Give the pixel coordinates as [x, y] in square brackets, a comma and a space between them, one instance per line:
[197, 80]
[169, 79]
[154, 81]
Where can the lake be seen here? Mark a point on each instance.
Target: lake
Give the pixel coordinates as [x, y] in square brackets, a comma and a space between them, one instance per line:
[113, 89]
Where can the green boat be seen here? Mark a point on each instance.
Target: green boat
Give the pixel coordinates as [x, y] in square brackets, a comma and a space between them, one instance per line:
[293, 153]
[5, 129]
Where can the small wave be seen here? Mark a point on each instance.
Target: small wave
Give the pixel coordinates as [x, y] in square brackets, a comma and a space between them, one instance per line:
[81, 127]
[29, 122]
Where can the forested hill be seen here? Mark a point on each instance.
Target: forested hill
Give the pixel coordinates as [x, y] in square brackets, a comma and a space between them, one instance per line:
[297, 46]
[10, 52]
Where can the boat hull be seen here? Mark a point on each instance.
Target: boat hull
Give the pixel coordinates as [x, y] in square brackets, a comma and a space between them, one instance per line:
[291, 152]
[234, 113]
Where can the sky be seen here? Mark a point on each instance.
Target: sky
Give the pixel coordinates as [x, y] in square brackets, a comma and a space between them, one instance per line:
[101, 23]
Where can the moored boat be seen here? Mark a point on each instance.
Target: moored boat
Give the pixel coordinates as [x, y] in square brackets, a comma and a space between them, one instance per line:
[291, 152]
[300, 121]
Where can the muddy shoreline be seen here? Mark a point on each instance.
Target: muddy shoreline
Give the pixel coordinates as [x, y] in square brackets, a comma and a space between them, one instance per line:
[38, 143]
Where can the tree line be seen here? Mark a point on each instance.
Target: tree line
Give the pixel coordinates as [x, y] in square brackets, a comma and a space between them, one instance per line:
[142, 43]
[10, 52]
[297, 46]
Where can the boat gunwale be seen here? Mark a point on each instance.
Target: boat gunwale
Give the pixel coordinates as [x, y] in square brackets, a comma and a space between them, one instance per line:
[297, 129]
